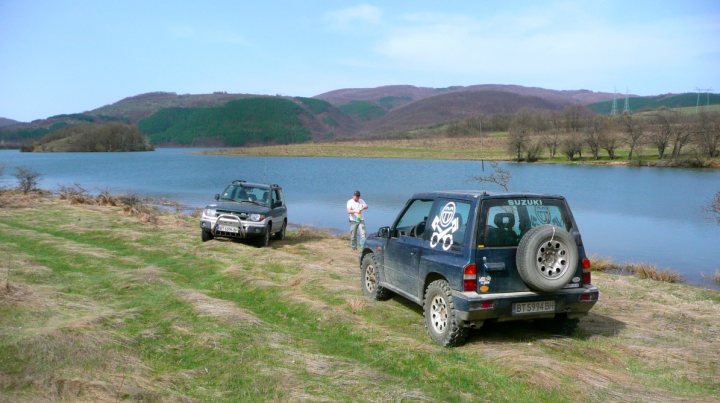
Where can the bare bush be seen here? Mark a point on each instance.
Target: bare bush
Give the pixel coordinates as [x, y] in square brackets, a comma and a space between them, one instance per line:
[27, 179]
[571, 146]
[533, 148]
[75, 194]
[500, 176]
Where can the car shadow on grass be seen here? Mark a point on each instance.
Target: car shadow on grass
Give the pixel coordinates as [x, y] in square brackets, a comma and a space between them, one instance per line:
[530, 330]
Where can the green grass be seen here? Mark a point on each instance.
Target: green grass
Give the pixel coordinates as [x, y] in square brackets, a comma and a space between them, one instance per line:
[106, 307]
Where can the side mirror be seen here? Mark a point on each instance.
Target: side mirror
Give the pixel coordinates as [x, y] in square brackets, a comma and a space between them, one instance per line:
[217, 196]
[277, 203]
[384, 232]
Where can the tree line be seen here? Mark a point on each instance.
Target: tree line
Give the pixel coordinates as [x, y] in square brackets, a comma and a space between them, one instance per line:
[92, 137]
[575, 131]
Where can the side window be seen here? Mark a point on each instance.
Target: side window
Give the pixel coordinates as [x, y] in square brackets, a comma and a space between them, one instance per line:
[277, 195]
[414, 219]
[448, 225]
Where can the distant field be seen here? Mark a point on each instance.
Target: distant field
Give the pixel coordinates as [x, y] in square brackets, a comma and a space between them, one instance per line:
[491, 147]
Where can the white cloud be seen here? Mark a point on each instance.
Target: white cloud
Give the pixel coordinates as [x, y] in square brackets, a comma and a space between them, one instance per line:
[360, 14]
[541, 44]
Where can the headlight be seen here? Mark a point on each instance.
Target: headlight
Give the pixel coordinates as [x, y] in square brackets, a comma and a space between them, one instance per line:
[209, 212]
[256, 217]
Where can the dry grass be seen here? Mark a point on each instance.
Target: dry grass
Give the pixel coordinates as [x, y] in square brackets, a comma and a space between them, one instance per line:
[639, 343]
[644, 270]
[641, 270]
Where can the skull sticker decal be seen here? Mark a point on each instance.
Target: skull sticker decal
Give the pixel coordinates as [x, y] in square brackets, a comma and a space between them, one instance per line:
[444, 226]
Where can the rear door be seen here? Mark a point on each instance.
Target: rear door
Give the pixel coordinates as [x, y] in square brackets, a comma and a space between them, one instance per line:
[503, 222]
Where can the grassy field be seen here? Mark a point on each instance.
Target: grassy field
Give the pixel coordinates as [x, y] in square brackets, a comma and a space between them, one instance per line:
[99, 305]
[491, 147]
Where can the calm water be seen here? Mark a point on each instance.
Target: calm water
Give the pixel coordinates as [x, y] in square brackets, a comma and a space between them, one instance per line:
[650, 215]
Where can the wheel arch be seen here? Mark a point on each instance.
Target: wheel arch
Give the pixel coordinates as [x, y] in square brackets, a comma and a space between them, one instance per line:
[432, 276]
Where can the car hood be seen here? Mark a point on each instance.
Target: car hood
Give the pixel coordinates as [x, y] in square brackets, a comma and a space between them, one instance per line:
[239, 207]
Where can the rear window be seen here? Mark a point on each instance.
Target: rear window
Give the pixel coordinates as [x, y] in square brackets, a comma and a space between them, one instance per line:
[507, 220]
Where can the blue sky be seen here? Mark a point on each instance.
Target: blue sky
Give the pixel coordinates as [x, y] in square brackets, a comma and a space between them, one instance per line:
[70, 56]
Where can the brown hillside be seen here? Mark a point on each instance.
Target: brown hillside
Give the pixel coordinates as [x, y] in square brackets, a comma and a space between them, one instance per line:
[342, 96]
[456, 105]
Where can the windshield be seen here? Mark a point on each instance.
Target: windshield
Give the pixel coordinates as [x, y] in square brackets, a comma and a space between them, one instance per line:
[242, 193]
[507, 220]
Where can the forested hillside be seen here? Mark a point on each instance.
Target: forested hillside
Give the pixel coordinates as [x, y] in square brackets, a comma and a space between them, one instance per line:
[239, 122]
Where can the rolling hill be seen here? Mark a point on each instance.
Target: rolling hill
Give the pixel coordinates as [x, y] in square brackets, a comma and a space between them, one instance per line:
[442, 108]
[7, 122]
[223, 119]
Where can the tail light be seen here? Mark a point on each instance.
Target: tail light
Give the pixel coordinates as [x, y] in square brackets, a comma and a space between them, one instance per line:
[470, 277]
[586, 277]
[586, 264]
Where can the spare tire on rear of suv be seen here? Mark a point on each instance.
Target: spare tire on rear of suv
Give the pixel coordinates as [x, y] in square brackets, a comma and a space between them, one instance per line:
[547, 258]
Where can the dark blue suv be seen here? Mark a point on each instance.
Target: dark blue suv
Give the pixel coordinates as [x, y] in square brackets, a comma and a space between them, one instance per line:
[470, 256]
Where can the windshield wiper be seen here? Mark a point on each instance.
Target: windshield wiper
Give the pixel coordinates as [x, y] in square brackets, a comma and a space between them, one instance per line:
[253, 202]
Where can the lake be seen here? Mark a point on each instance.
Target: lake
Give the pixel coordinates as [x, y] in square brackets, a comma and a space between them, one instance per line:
[631, 214]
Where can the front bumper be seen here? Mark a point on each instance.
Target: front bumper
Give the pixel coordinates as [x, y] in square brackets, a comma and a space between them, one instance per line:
[246, 229]
[574, 302]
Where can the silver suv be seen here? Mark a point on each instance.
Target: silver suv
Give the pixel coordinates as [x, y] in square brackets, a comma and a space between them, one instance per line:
[246, 210]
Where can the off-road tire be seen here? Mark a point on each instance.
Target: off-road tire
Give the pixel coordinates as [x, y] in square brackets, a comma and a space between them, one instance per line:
[264, 239]
[560, 325]
[441, 322]
[206, 235]
[547, 258]
[280, 235]
[370, 279]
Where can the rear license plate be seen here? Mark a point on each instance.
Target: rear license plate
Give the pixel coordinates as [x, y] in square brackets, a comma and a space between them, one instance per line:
[523, 308]
[228, 228]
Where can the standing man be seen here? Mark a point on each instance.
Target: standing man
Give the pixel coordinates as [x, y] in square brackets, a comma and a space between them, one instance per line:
[355, 207]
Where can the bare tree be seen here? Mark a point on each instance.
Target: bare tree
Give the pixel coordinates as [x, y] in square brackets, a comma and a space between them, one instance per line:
[27, 178]
[634, 131]
[500, 176]
[574, 117]
[681, 136]
[708, 133]
[533, 148]
[552, 137]
[594, 130]
[665, 121]
[518, 135]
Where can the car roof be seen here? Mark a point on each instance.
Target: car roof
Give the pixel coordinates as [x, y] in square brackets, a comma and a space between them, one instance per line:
[480, 194]
[254, 184]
